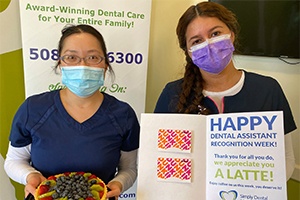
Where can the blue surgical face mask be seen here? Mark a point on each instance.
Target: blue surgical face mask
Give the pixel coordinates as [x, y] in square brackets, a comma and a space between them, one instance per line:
[214, 54]
[81, 80]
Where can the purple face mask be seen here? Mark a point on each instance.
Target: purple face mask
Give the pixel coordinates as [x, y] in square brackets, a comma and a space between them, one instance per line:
[214, 54]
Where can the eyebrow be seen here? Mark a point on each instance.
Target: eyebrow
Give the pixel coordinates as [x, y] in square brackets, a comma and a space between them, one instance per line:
[89, 51]
[70, 51]
[213, 28]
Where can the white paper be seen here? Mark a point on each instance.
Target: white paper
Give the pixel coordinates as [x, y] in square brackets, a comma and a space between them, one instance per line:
[233, 156]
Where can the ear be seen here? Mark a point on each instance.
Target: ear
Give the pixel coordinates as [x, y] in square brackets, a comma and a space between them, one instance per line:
[58, 68]
[105, 70]
[232, 36]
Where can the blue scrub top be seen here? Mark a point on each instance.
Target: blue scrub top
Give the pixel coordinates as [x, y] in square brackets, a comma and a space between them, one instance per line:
[259, 93]
[61, 144]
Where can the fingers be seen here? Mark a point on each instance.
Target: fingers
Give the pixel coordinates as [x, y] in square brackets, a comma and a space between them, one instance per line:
[29, 189]
[114, 190]
[111, 195]
[33, 181]
[29, 197]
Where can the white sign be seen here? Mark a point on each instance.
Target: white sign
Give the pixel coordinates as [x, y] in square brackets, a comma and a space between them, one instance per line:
[236, 156]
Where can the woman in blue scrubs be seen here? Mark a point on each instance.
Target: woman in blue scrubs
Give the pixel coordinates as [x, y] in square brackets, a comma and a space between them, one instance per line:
[77, 128]
[207, 33]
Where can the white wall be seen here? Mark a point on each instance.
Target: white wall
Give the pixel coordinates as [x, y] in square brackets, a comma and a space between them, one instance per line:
[166, 63]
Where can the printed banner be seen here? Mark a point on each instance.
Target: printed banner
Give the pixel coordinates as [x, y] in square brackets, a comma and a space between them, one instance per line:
[236, 156]
[125, 26]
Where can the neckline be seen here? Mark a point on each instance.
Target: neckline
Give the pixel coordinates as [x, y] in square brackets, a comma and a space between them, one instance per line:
[229, 92]
[87, 124]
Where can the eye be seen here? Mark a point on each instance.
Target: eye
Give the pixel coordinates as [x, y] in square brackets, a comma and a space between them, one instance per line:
[198, 41]
[215, 34]
[92, 57]
[70, 58]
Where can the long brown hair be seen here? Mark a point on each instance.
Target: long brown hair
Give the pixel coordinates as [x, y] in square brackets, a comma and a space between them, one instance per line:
[191, 96]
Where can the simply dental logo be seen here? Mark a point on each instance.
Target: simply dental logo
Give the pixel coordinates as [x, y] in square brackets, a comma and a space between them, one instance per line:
[253, 197]
[228, 195]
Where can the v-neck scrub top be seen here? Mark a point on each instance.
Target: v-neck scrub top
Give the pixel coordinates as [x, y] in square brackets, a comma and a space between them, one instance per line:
[61, 144]
[259, 93]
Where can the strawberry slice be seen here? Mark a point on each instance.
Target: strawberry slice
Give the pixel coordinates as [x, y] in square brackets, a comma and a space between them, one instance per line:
[52, 178]
[47, 198]
[44, 189]
[101, 193]
[80, 173]
[67, 173]
[92, 176]
[101, 184]
[89, 198]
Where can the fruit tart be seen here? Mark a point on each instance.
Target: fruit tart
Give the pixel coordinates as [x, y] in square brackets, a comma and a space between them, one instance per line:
[72, 186]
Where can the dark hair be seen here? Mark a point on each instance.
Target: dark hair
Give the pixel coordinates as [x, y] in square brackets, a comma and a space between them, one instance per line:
[191, 96]
[69, 30]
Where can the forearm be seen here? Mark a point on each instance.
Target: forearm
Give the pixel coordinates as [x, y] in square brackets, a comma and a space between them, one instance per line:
[127, 170]
[17, 164]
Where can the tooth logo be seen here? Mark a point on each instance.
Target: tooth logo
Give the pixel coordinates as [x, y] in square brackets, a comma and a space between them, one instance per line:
[230, 195]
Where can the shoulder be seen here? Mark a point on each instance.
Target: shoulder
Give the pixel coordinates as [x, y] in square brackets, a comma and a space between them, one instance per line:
[38, 104]
[174, 84]
[113, 100]
[261, 82]
[43, 97]
[29, 114]
[42, 101]
[265, 87]
[168, 98]
[259, 78]
[115, 105]
[173, 87]
[120, 113]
